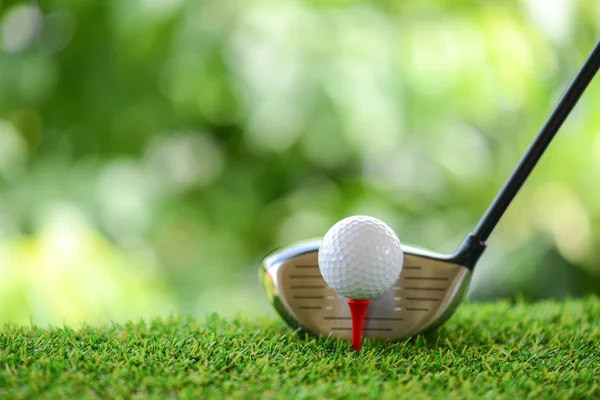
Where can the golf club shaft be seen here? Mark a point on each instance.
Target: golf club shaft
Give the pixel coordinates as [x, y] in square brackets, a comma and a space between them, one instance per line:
[568, 100]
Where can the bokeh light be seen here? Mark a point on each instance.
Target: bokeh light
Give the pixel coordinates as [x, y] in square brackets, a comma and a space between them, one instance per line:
[152, 151]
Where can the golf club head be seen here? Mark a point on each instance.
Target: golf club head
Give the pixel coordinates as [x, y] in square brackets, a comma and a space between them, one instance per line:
[429, 289]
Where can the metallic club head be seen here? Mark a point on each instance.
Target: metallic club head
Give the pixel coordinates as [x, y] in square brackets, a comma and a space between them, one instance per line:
[424, 296]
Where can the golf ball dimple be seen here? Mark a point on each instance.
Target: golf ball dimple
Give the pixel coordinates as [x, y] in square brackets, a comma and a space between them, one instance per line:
[360, 257]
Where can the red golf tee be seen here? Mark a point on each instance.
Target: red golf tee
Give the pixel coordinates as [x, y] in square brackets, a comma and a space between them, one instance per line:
[357, 310]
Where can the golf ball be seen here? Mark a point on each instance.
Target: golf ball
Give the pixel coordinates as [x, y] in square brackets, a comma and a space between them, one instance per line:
[360, 257]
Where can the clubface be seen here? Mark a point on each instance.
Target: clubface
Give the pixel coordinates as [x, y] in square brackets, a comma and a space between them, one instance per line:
[429, 289]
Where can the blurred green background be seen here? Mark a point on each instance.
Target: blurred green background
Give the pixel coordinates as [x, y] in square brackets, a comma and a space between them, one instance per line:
[153, 151]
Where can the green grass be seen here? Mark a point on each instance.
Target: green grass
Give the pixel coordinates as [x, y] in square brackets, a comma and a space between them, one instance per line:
[494, 350]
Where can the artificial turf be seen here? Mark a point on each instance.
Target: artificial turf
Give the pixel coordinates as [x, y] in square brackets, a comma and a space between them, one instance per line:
[492, 350]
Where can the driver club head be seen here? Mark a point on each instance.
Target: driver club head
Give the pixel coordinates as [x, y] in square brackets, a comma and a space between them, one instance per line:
[429, 289]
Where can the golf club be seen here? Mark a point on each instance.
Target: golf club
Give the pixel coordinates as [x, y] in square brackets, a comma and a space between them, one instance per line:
[431, 285]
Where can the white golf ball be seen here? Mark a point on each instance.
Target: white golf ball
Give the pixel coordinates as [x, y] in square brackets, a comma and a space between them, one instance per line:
[360, 257]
